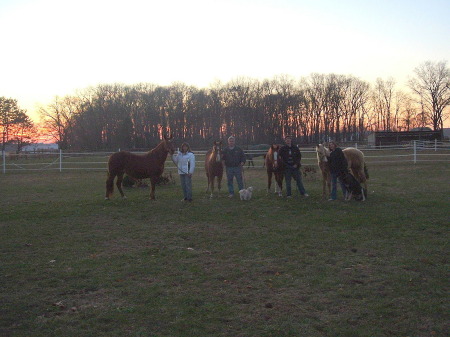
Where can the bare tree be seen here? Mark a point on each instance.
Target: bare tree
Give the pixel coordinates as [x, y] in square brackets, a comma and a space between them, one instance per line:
[432, 86]
[383, 103]
[58, 119]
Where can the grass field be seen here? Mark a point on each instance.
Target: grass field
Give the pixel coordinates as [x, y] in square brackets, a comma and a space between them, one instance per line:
[73, 264]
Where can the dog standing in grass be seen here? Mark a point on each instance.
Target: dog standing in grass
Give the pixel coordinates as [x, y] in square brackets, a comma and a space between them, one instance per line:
[353, 187]
[246, 193]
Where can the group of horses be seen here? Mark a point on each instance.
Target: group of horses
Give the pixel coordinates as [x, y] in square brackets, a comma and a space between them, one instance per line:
[151, 165]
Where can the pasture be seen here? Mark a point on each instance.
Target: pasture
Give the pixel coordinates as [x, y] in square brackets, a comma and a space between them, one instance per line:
[73, 264]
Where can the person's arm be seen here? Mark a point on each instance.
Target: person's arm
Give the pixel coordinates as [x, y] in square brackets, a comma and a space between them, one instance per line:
[243, 159]
[192, 163]
[175, 157]
[281, 156]
[299, 158]
[343, 165]
[224, 156]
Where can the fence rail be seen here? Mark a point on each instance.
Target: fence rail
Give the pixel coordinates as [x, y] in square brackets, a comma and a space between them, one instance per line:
[63, 161]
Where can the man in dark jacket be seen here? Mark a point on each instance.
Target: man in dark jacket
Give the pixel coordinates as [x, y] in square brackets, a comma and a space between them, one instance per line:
[290, 156]
[338, 169]
[234, 159]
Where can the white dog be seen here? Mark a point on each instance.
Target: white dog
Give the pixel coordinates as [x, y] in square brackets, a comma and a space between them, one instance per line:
[246, 194]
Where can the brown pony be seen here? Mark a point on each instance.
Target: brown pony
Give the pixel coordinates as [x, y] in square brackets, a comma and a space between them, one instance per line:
[214, 167]
[322, 154]
[275, 166]
[138, 166]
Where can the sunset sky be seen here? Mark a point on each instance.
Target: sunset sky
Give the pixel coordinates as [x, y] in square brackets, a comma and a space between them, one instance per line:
[54, 47]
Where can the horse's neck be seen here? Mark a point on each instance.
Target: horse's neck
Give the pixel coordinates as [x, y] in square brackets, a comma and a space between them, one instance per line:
[159, 152]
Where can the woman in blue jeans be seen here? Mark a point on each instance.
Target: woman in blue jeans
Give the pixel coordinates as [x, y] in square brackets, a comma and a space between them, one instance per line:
[338, 167]
[185, 161]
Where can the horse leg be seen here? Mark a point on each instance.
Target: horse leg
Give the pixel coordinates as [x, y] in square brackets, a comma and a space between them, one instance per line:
[328, 183]
[269, 181]
[209, 182]
[119, 184]
[152, 188]
[363, 181]
[324, 185]
[212, 187]
[279, 183]
[109, 185]
[219, 183]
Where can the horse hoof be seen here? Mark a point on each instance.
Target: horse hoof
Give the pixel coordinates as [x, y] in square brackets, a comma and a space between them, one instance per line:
[106, 198]
[211, 196]
[124, 197]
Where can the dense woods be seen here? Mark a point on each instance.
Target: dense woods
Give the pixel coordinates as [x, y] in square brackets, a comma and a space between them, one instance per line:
[312, 109]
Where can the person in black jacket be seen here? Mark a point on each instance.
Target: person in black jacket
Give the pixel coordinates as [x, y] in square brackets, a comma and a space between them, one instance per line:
[338, 169]
[290, 156]
[233, 158]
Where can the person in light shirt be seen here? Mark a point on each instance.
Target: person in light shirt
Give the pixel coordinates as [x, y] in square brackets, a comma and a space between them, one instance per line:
[185, 161]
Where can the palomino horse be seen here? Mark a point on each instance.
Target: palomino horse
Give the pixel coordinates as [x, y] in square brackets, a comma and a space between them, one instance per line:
[214, 167]
[355, 161]
[357, 165]
[137, 166]
[275, 166]
[322, 154]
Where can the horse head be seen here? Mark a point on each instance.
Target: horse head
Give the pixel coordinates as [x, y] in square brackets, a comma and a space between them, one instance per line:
[322, 153]
[168, 146]
[273, 151]
[217, 150]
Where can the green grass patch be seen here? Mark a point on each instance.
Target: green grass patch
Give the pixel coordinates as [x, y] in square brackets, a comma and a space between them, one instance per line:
[73, 264]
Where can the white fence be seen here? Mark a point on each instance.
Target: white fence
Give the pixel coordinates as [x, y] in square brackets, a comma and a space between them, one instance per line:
[417, 152]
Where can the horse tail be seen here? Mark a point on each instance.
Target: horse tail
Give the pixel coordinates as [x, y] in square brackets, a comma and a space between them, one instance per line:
[366, 171]
[109, 185]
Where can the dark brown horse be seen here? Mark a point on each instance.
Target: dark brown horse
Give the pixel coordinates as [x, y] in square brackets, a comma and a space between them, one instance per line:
[138, 166]
[274, 166]
[214, 167]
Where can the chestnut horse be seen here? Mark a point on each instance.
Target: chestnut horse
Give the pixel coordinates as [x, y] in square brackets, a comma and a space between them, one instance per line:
[275, 166]
[138, 166]
[214, 167]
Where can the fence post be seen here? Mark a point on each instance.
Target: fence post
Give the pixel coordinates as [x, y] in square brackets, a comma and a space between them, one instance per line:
[60, 160]
[356, 145]
[415, 151]
[4, 161]
[435, 145]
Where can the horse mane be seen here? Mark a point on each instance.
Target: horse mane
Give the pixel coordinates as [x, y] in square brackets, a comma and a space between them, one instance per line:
[158, 150]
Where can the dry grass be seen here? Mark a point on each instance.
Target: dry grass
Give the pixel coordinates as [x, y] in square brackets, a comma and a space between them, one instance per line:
[74, 264]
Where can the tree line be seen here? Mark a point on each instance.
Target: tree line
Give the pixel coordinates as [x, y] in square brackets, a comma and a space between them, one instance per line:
[316, 108]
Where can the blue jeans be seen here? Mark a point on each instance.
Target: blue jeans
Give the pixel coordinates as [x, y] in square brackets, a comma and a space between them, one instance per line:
[334, 179]
[290, 173]
[231, 173]
[186, 184]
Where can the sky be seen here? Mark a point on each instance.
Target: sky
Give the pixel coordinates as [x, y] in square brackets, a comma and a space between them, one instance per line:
[55, 47]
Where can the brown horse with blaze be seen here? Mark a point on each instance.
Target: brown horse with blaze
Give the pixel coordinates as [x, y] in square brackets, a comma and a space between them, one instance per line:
[214, 167]
[138, 166]
[274, 166]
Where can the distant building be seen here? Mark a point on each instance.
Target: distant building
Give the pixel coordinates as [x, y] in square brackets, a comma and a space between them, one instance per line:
[40, 147]
[446, 133]
[391, 138]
